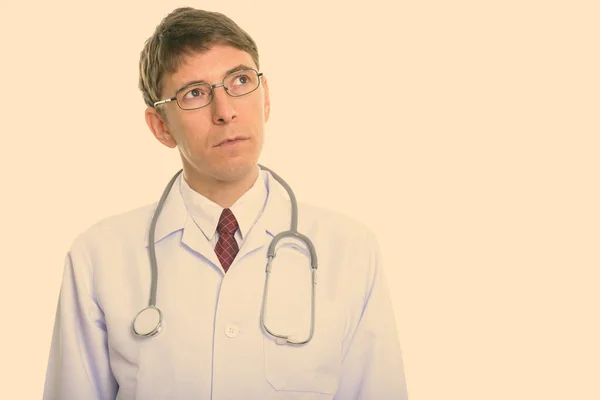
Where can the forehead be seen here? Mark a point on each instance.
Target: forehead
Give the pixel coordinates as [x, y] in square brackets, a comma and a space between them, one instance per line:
[209, 65]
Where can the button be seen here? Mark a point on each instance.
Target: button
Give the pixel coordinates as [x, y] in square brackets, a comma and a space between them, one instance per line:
[231, 330]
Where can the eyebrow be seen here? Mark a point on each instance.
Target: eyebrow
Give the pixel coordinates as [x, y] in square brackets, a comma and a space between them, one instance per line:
[239, 67]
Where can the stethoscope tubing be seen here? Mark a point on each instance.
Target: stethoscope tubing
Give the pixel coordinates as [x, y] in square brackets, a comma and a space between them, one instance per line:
[271, 254]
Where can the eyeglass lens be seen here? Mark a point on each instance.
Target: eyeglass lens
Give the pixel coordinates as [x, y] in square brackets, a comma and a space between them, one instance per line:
[236, 84]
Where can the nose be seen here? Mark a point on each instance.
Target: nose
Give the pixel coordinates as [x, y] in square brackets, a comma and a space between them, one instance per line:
[223, 111]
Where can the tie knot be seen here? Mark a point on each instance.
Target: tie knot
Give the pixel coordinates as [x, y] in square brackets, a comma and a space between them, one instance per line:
[227, 222]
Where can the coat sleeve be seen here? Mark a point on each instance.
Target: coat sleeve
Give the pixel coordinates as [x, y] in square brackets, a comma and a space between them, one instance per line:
[372, 367]
[78, 365]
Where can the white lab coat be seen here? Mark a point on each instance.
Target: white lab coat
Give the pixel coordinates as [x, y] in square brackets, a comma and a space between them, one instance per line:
[212, 345]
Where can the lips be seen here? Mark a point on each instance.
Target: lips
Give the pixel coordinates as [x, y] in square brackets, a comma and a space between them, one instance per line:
[231, 141]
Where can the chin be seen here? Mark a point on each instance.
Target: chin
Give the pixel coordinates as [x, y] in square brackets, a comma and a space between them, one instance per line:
[234, 171]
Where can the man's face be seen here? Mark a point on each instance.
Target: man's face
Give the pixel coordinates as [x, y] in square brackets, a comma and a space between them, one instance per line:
[203, 135]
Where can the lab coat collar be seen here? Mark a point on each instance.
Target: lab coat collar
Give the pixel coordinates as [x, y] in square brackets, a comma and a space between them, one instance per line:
[275, 218]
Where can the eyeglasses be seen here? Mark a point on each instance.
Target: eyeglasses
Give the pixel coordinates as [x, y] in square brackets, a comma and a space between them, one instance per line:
[198, 95]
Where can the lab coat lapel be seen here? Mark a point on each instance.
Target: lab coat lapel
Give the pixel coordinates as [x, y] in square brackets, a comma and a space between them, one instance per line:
[194, 239]
[274, 219]
[175, 217]
[257, 237]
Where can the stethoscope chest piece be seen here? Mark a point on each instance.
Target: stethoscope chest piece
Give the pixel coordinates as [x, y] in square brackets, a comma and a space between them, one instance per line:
[148, 322]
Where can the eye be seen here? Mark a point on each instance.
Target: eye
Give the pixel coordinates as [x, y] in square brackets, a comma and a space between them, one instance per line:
[195, 92]
[241, 80]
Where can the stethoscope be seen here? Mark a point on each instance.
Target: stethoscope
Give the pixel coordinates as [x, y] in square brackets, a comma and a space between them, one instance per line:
[149, 322]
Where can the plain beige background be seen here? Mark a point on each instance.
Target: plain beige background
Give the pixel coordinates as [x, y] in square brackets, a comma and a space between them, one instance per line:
[464, 133]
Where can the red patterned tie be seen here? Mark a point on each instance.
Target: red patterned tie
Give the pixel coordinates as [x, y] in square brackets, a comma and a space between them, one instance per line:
[227, 247]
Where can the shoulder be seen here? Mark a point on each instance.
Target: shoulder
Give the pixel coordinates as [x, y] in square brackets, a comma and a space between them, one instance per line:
[128, 226]
[334, 224]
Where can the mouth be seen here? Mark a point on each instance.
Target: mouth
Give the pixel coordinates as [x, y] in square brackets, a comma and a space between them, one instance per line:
[231, 141]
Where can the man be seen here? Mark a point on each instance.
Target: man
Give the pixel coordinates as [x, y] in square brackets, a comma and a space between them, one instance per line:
[199, 75]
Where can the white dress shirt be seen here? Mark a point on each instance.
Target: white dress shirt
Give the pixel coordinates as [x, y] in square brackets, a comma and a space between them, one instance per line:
[206, 213]
[212, 345]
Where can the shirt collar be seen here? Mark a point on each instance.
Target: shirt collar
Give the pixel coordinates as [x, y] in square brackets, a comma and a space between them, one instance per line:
[206, 213]
[174, 213]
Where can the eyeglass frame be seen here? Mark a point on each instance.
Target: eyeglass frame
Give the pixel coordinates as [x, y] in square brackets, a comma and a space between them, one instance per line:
[212, 90]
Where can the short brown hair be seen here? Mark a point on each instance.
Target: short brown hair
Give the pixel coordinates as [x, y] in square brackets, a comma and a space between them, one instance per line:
[181, 33]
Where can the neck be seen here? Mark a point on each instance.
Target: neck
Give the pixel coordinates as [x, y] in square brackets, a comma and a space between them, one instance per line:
[223, 193]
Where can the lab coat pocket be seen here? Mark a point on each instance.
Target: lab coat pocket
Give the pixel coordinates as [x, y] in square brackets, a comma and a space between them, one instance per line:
[312, 367]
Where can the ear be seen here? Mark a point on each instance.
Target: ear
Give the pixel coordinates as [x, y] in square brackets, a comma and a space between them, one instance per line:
[158, 125]
[267, 100]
